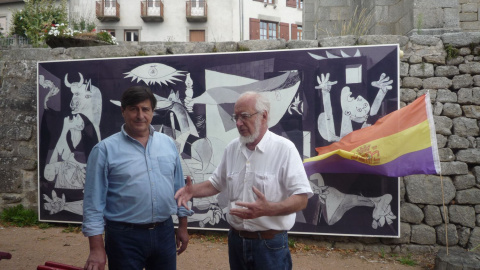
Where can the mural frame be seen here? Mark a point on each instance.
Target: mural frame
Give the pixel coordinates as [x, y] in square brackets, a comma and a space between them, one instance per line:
[318, 95]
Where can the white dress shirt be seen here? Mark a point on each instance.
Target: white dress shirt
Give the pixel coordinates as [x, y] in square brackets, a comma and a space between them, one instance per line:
[274, 167]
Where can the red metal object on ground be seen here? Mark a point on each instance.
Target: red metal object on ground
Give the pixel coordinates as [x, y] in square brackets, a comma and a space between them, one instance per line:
[57, 266]
[5, 255]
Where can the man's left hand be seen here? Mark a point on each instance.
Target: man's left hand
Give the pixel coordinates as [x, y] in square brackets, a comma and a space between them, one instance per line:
[182, 236]
[256, 209]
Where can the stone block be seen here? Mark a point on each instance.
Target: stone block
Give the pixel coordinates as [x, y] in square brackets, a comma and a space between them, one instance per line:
[465, 96]
[471, 111]
[468, 196]
[427, 189]
[474, 240]
[404, 67]
[470, 156]
[405, 234]
[471, 68]
[468, 17]
[422, 70]
[442, 236]
[443, 125]
[463, 236]
[437, 83]
[463, 126]
[446, 71]
[437, 108]
[461, 81]
[433, 217]
[462, 215]
[462, 182]
[411, 213]
[435, 59]
[452, 110]
[423, 234]
[457, 142]
[412, 82]
[441, 141]
[446, 154]
[454, 168]
[407, 95]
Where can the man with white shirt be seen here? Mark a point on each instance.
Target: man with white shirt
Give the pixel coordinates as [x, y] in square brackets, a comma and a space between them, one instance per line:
[265, 182]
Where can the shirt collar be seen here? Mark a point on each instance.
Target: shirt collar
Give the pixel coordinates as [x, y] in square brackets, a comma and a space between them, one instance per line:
[262, 144]
[152, 130]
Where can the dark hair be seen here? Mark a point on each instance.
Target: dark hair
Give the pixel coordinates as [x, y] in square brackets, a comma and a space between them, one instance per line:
[136, 94]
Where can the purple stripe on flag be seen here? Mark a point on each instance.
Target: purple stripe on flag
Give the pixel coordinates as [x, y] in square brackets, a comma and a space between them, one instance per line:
[419, 162]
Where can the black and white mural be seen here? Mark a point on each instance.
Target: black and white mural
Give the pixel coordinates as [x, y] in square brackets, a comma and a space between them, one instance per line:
[317, 96]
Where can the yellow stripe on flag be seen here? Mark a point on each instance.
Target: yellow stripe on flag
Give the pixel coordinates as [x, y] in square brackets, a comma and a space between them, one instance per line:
[386, 149]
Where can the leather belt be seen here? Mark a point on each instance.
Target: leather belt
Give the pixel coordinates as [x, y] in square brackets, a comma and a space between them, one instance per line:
[268, 234]
[146, 226]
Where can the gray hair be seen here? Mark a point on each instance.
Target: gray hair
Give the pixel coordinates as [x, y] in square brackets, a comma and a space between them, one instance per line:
[261, 102]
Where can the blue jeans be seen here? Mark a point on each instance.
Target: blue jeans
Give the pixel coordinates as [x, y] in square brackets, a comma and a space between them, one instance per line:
[259, 254]
[134, 249]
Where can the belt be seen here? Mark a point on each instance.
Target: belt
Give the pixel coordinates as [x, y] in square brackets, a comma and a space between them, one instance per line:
[145, 226]
[268, 234]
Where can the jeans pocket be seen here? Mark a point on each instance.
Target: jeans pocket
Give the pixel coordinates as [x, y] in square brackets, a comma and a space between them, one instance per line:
[277, 243]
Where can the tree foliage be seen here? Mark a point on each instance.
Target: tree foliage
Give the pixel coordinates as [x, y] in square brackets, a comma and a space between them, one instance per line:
[32, 21]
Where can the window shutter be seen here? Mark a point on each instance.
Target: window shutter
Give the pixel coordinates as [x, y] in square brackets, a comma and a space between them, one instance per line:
[284, 31]
[292, 3]
[294, 31]
[254, 29]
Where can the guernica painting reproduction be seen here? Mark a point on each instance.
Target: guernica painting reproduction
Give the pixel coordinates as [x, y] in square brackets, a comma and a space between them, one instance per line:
[317, 97]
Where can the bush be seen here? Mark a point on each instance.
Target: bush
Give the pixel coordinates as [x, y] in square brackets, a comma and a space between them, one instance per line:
[19, 216]
[36, 16]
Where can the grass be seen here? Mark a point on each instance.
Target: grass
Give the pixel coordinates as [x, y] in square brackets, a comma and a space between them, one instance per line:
[19, 216]
[407, 260]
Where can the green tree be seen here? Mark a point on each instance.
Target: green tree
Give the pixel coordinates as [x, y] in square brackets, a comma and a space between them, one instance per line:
[32, 21]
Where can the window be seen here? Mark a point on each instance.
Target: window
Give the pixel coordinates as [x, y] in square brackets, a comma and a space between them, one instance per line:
[299, 32]
[3, 25]
[197, 35]
[268, 30]
[300, 4]
[131, 35]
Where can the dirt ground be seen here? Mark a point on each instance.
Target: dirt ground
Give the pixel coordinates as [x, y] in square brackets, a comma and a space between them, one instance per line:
[31, 247]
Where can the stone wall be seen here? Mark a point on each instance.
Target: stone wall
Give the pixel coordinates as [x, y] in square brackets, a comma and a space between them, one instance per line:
[397, 17]
[446, 65]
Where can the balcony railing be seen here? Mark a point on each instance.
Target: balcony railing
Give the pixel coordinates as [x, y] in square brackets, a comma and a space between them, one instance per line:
[196, 11]
[152, 10]
[108, 11]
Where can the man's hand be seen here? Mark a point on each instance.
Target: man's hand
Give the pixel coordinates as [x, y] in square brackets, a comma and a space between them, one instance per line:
[182, 235]
[256, 209]
[97, 258]
[184, 194]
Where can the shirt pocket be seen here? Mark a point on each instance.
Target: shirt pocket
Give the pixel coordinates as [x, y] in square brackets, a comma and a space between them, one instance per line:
[268, 184]
[166, 166]
[234, 187]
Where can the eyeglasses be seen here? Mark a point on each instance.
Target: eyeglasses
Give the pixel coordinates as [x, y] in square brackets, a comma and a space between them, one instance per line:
[243, 116]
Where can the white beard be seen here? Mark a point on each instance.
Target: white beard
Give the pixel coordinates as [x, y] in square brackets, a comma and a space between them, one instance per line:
[251, 138]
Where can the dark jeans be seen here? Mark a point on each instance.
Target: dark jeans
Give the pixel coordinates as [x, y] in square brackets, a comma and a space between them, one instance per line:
[134, 249]
[259, 254]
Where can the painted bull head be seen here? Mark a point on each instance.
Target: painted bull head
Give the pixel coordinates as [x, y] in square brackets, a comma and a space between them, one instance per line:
[87, 100]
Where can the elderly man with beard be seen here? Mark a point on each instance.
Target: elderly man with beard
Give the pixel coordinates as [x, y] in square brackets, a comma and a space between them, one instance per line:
[265, 182]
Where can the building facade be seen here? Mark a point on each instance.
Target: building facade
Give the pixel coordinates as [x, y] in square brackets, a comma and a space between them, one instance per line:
[191, 20]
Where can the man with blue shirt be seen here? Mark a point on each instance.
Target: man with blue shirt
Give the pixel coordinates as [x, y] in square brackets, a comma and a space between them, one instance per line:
[131, 179]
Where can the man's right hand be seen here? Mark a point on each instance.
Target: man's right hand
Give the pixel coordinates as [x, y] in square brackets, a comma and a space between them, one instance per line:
[184, 194]
[97, 257]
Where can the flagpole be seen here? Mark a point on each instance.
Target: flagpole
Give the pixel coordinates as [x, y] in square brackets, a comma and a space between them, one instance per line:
[444, 213]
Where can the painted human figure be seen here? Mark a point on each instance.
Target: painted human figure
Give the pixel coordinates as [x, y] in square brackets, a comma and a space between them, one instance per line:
[334, 203]
[353, 109]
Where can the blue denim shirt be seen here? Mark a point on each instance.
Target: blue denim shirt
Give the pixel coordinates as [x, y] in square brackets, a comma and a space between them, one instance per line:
[130, 183]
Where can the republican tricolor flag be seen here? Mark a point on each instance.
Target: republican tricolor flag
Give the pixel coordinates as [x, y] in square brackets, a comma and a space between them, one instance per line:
[398, 144]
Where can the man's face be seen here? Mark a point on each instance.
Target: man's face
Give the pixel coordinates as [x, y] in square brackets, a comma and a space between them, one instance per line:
[249, 128]
[138, 118]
